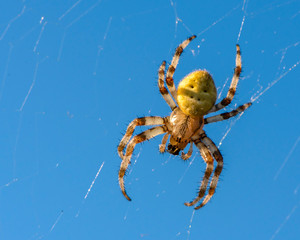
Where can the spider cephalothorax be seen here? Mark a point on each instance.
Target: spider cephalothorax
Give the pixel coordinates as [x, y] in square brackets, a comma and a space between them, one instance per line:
[195, 97]
[182, 128]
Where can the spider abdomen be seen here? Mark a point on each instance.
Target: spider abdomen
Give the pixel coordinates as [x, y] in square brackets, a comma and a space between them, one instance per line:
[196, 93]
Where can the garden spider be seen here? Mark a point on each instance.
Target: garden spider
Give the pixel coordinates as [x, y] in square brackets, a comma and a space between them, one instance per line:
[196, 96]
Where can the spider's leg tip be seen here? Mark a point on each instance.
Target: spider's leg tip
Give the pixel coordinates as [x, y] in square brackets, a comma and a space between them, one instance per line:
[125, 195]
[188, 204]
[198, 207]
[128, 198]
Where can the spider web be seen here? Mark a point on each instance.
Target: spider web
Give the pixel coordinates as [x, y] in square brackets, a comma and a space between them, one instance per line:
[73, 76]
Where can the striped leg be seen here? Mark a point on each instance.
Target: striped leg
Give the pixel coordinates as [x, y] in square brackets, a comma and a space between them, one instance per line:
[186, 156]
[148, 134]
[214, 181]
[164, 92]
[143, 121]
[207, 157]
[226, 115]
[173, 65]
[237, 71]
[162, 146]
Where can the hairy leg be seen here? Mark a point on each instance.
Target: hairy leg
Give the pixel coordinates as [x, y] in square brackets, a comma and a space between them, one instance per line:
[230, 94]
[163, 91]
[148, 134]
[143, 121]
[226, 115]
[173, 65]
[214, 181]
[207, 157]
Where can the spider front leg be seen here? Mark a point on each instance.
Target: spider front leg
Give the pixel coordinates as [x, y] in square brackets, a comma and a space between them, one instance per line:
[207, 157]
[230, 94]
[148, 134]
[214, 181]
[143, 121]
[173, 65]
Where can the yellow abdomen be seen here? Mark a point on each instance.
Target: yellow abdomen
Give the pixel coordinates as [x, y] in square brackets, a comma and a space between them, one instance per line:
[196, 93]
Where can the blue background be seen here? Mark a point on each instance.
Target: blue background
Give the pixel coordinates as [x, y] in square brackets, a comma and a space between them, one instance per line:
[73, 74]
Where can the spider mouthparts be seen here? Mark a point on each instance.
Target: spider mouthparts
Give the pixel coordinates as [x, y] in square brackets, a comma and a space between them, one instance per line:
[173, 149]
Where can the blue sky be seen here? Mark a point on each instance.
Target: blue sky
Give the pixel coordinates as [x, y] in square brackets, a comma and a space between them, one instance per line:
[74, 74]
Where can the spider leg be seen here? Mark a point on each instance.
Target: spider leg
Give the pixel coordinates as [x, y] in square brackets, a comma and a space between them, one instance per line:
[226, 115]
[148, 134]
[163, 91]
[230, 94]
[162, 146]
[186, 156]
[173, 65]
[214, 181]
[143, 121]
[207, 157]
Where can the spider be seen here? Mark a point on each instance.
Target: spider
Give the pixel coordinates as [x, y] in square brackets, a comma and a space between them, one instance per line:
[195, 97]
